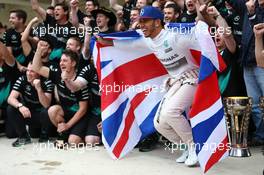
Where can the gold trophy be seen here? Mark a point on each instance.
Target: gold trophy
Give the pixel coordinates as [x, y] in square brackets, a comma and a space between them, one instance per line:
[237, 112]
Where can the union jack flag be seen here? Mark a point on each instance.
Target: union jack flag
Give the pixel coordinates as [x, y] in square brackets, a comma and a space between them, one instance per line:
[131, 80]
[207, 113]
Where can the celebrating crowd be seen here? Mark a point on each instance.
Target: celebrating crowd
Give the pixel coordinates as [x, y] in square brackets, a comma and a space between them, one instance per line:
[48, 80]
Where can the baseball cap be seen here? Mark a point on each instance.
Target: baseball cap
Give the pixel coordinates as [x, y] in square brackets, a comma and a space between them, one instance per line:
[151, 13]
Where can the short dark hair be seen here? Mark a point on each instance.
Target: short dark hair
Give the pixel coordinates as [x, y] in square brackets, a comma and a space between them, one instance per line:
[72, 55]
[176, 8]
[135, 8]
[49, 39]
[65, 8]
[21, 14]
[95, 3]
[50, 8]
[77, 39]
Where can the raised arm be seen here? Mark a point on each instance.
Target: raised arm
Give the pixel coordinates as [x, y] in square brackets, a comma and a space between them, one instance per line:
[38, 9]
[54, 2]
[44, 97]
[259, 49]
[37, 65]
[86, 43]
[25, 37]
[202, 14]
[223, 26]
[114, 5]
[74, 9]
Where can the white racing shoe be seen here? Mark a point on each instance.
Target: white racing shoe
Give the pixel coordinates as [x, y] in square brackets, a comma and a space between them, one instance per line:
[183, 157]
[192, 159]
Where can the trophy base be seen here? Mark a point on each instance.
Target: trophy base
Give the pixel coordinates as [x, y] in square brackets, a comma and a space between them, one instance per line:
[239, 152]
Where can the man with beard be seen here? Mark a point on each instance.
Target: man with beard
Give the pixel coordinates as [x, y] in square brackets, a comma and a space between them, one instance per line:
[171, 13]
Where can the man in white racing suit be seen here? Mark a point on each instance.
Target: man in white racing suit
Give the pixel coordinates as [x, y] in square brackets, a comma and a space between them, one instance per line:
[173, 50]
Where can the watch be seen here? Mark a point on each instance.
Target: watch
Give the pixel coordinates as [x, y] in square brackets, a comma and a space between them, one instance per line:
[19, 105]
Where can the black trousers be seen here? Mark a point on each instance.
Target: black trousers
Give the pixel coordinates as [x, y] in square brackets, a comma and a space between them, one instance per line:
[9, 129]
[39, 120]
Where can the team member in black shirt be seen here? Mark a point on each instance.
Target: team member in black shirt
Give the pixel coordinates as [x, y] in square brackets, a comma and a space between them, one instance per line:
[70, 115]
[12, 36]
[88, 78]
[58, 26]
[29, 97]
[189, 14]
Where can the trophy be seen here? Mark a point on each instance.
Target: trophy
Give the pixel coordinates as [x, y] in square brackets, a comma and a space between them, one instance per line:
[237, 112]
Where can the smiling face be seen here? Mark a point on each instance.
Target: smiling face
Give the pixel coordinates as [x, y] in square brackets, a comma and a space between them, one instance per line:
[31, 75]
[73, 45]
[89, 6]
[60, 13]
[134, 15]
[150, 27]
[147, 26]
[169, 15]
[101, 20]
[14, 20]
[66, 64]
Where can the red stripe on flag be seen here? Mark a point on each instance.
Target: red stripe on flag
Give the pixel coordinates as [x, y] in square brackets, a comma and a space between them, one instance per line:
[129, 74]
[208, 91]
[217, 155]
[128, 122]
[98, 61]
[222, 64]
[196, 56]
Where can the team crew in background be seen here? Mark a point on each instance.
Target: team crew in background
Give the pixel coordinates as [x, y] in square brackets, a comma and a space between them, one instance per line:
[48, 79]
